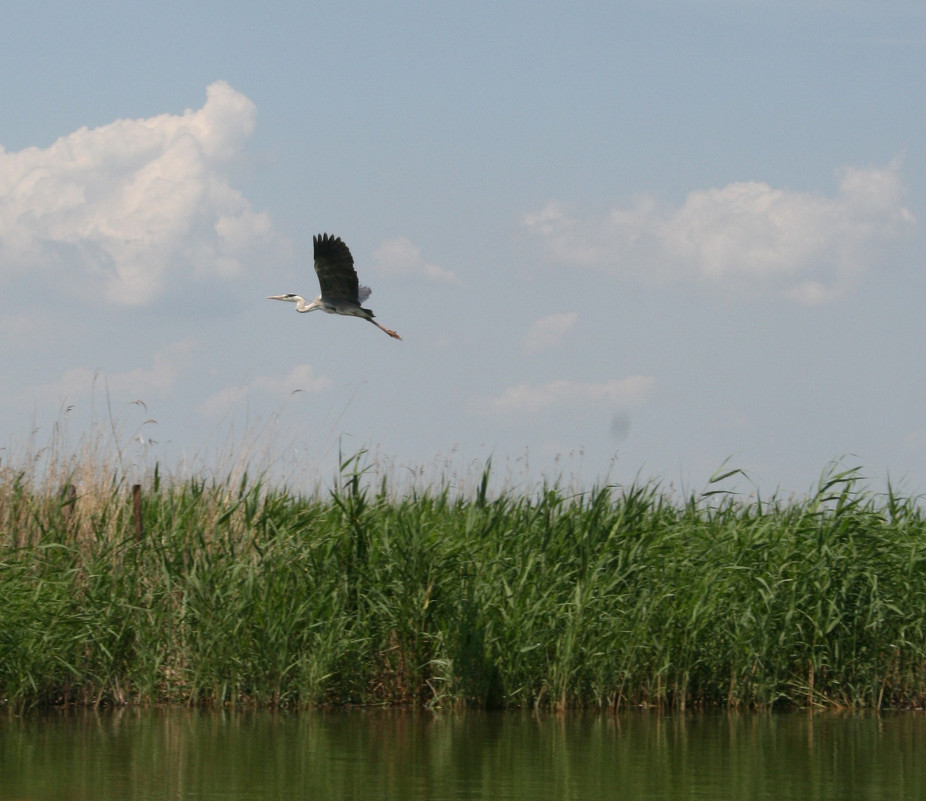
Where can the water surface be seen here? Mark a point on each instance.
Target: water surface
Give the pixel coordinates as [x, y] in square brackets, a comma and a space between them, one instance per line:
[183, 754]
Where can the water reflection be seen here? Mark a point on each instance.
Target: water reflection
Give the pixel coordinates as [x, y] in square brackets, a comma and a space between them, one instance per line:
[184, 754]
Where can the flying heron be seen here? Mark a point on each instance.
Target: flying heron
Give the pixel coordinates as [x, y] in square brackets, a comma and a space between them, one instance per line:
[341, 294]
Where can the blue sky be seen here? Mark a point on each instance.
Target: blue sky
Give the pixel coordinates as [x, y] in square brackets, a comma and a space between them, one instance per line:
[620, 240]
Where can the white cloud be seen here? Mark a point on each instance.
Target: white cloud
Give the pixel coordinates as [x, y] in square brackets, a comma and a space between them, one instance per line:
[121, 209]
[547, 332]
[141, 383]
[531, 399]
[301, 378]
[748, 235]
[399, 257]
[22, 331]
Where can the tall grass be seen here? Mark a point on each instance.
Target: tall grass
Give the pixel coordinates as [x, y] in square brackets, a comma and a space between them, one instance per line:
[239, 592]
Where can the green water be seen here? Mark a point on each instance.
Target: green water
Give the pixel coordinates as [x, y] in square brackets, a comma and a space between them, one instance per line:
[179, 754]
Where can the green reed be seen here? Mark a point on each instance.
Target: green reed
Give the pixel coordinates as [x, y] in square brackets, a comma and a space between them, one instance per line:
[236, 592]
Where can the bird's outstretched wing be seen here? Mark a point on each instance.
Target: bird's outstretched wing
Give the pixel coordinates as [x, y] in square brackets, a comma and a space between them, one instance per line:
[335, 269]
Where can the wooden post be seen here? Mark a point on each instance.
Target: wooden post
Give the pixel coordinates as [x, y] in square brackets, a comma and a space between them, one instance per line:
[136, 508]
[69, 500]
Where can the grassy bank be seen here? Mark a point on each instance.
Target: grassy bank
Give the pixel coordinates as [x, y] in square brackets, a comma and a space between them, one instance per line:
[237, 593]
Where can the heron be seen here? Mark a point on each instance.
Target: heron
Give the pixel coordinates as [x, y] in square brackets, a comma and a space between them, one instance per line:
[341, 293]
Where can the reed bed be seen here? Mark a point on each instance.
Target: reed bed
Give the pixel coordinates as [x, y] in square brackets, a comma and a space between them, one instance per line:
[234, 592]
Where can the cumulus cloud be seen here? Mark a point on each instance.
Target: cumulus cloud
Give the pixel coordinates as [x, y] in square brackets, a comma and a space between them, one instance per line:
[300, 378]
[21, 331]
[547, 332]
[750, 235]
[122, 209]
[401, 258]
[168, 365]
[531, 399]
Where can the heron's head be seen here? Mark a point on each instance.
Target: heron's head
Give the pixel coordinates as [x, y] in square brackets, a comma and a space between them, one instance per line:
[290, 297]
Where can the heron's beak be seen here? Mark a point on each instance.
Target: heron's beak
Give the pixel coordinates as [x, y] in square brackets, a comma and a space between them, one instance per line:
[278, 297]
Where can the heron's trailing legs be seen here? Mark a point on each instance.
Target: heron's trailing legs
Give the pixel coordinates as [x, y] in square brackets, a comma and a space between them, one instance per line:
[391, 333]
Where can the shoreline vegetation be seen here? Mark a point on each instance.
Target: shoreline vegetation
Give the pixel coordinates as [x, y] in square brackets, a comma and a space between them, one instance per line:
[230, 592]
